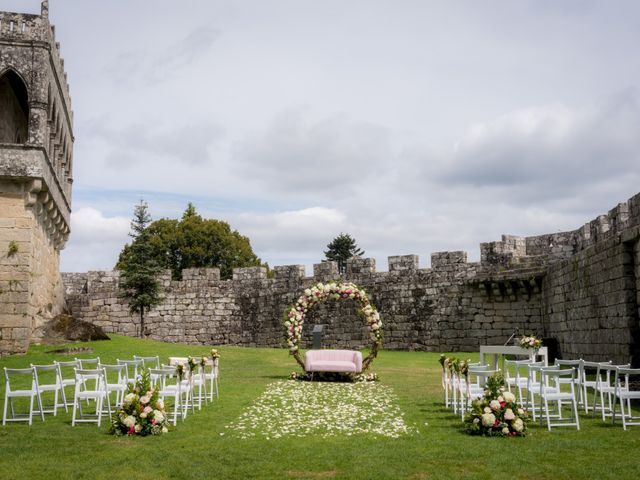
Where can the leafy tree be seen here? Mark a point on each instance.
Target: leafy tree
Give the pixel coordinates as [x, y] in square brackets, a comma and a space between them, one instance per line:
[342, 248]
[194, 242]
[139, 274]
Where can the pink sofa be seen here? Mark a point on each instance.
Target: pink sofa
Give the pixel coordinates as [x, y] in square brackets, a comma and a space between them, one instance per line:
[333, 361]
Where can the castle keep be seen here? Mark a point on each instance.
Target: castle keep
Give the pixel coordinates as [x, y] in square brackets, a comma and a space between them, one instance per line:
[36, 147]
[579, 289]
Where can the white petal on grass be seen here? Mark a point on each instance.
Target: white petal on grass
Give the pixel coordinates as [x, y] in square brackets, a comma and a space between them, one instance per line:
[322, 409]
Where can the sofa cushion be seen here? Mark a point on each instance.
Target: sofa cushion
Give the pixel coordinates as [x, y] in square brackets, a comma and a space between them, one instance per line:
[332, 366]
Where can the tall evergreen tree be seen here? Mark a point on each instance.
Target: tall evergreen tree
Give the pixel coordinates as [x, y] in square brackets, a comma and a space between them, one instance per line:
[340, 249]
[195, 242]
[139, 274]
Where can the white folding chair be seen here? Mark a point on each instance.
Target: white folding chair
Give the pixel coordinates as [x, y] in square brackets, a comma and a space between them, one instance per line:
[116, 380]
[199, 387]
[577, 381]
[168, 385]
[149, 362]
[91, 384]
[68, 379]
[515, 376]
[48, 380]
[534, 385]
[551, 381]
[211, 374]
[20, 376]
[447, 385]
[134, 369]
[186, 381]
[605, 389]
[588, 377]
[625, 379]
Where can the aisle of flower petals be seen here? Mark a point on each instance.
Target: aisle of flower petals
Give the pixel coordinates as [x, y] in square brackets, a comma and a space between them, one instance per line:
[299, 409]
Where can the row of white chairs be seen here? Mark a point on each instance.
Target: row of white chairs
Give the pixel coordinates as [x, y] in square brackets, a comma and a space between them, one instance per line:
[543, 390]
[93, 380]
[607, 386]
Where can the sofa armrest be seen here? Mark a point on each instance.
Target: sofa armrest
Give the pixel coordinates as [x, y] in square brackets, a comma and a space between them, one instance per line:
[357, 359]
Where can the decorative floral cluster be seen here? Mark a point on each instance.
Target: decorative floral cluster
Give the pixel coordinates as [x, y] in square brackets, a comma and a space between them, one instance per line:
[455, 365]
[192, 363]
[497, 414]
[214, 354]
[312, 296]
[335, 377]
[142, 412]
[530, 342]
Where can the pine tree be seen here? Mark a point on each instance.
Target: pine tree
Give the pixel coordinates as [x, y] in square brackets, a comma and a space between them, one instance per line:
[340, 249]
[139, 275]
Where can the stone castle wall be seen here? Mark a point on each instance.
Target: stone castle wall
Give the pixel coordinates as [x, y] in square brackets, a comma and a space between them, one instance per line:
[578, 287]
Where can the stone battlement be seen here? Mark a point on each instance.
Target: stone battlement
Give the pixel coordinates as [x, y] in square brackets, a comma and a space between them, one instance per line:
[579, 288]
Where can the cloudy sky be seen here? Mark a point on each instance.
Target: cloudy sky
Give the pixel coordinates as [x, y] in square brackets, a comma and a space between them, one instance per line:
[415, 126]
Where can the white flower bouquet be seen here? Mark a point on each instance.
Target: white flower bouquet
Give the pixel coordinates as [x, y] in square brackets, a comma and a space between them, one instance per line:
[530, 342]
[497, 414]
[142, 412]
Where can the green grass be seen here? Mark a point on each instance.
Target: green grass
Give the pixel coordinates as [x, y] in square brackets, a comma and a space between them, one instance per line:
[195, 449]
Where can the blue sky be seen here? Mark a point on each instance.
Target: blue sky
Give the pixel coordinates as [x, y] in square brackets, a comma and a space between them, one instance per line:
[415, 126]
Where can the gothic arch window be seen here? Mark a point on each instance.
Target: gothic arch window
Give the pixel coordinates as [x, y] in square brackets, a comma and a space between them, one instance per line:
[14, 108]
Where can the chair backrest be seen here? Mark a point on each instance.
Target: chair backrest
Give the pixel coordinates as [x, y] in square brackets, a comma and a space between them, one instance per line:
[134, 368]
[161, 376]
[90, 379]
[115, 373]
[149, 362]
[20, 376]
[514, 368]
[88, 363]
[622, 379]
[47, 375]
[606, 372]
[178, 361]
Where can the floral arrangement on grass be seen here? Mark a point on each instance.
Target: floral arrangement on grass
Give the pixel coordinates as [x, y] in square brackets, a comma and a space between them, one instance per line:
[497, 414]
[335, 377]
[295, 315]
[142, 412]
[530, 342]
[214, 354]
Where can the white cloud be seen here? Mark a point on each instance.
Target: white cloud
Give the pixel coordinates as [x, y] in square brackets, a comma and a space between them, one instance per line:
[297, 154]
[553, 145]
[95, 241]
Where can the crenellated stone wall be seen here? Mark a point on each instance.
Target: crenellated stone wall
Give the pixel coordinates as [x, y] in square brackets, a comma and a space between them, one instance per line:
[579, 288]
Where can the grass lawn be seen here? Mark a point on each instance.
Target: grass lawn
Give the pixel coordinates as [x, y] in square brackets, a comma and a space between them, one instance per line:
[202, 446]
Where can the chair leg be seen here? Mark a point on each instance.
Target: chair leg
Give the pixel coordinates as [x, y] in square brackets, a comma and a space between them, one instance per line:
[30, 410]
[575, 413]
[40, 404]
[624, 420]
[4, 412]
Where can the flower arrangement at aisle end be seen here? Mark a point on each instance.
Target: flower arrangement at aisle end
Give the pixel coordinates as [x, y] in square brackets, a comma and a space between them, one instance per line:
[294, 316]
[530, 342]
[214, 354]
[497, 414]
[142, 412]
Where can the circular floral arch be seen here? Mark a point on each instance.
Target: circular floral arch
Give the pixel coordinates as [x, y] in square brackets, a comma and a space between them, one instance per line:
[295, 315]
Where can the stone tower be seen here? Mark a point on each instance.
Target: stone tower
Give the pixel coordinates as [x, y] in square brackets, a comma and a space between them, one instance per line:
[36, 146]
